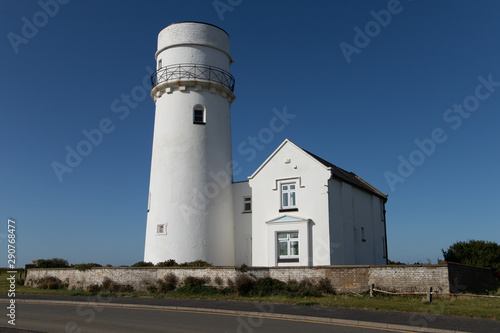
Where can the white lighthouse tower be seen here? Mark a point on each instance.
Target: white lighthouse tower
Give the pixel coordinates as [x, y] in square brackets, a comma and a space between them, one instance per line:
[190, 195]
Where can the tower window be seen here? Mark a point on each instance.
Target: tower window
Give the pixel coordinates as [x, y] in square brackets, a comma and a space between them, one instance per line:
[199, 115]
[159, 64]
[161, 229]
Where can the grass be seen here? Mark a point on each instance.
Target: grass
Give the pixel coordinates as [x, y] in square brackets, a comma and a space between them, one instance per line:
[448, 306]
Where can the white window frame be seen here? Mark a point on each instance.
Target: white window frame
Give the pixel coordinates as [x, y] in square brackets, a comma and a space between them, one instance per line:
[160, 226]
[247, 200]
[289, 193]
[288, 240]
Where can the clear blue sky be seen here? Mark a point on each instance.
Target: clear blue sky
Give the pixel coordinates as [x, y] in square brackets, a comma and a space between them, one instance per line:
[363, 115]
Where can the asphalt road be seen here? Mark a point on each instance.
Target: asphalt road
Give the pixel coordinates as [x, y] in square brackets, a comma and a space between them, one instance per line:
[97, 319]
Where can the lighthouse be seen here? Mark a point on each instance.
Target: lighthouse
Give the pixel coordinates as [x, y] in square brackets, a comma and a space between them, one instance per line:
[190, 204]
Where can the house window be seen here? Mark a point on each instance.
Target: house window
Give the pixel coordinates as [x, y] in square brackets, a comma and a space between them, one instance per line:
[288, 247]
[288, 199]
[199, 114]
[161, 229]
[247, 204]
[159, 64]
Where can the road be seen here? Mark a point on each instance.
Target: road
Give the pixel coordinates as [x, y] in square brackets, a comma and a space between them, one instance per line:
[96, 319]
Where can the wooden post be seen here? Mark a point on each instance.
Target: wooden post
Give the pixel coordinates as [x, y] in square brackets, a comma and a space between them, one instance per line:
[372, 286]
[429, 295]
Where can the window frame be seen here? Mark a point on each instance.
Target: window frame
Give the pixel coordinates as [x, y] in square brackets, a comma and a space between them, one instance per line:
[289, 193]
[247, 200]
[196, 120]
[288, 240]
[161, 225]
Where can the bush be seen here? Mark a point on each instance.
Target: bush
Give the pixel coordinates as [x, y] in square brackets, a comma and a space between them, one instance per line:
[114, 287]
[167, 263]
[268, 286]
[475, 253]
[94, 288]
[324, 286]
[50, 282]
[84, 267]
[194, 285]
[143, 264]
[196, 263]
[304, 288]
[168, 283]
[52, 263]
[218, 281]
[243, 285]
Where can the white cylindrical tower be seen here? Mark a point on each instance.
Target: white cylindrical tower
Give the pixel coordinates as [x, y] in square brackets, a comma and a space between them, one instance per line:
[190, 195]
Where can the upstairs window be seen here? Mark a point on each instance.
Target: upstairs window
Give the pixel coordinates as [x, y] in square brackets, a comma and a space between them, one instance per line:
[199, 114]
[159, 64]
[288, 198]
[247, 204]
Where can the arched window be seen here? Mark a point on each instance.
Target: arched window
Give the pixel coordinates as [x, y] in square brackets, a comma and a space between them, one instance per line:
[199, 116]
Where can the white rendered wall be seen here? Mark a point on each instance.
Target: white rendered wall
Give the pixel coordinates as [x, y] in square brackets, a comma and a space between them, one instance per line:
[191, 171]
[242, 224]
[353, 210]
[312, 202]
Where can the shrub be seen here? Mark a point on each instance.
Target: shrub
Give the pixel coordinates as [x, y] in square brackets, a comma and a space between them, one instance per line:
[243, 285]
[324, 286]
[243, 268]
[268, 286]
[50, 282]
[52, 263]
[196, 263]
[303, 288]
[143, 264]
[194, 285]
[114, 287]
[107, 295]
[218, 281]
[93, 288]
[168, 283]
[84, 267]
[475, 253]
[168, 263]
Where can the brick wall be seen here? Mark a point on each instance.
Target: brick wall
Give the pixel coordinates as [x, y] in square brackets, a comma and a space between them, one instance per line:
[345, 279]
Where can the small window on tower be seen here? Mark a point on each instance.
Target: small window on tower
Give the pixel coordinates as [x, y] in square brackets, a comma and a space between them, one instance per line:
[159, 64]
[199, 115]
[161, 229]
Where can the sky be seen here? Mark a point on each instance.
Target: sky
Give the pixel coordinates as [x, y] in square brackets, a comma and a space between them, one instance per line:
[406, 94]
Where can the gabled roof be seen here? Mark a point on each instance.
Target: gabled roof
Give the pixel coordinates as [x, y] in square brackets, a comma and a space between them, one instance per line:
[349, 177]
[336, 172]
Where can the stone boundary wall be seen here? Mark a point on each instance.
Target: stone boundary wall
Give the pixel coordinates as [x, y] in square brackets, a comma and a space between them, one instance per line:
[344, 279]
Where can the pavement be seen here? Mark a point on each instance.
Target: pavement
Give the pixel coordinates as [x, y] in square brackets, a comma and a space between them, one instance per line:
[414, 322]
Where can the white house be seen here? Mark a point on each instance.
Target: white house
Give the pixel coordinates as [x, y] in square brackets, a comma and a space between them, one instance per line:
[300, 210]
[296, 209]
